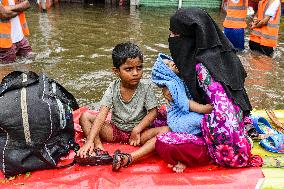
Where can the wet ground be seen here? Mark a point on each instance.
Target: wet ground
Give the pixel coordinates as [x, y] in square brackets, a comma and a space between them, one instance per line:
[72, 43]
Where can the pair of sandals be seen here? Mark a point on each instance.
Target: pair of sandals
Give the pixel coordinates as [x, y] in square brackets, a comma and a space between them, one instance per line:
[270, 139]
[102, 157]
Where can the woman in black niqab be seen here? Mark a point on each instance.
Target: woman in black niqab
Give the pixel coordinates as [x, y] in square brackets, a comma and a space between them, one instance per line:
[201, 41]
[213, 73]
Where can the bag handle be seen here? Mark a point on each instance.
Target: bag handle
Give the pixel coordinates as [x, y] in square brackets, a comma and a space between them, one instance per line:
[66, 97]
[14, 80]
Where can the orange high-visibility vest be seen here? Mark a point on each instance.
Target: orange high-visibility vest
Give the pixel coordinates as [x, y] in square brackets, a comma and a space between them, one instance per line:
[5, 28]
[236, 14]
[266, 35]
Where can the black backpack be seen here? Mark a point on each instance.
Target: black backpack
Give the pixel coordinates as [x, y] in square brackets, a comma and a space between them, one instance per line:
[36, 122]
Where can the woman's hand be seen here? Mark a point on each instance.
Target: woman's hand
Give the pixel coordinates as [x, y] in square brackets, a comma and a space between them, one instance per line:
[88, 147]
[207, 108]
[167, 95]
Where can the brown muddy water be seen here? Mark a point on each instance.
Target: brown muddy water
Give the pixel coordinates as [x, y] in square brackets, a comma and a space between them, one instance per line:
[72, 43]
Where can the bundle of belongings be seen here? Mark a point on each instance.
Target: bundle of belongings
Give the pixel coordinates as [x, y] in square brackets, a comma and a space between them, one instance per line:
[36, 125]
[36, 122]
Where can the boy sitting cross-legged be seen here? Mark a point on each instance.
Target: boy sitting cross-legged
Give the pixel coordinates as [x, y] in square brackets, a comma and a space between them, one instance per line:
[133, 106]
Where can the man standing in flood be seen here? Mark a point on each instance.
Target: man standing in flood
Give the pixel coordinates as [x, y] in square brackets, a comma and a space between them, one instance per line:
[265, 27]
[13, 29]
[235, 22]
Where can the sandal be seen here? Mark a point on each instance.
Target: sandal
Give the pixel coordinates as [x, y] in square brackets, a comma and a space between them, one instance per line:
[118, 160]
[101, 157]
[274, 143]
[262, 126]
[253, 134]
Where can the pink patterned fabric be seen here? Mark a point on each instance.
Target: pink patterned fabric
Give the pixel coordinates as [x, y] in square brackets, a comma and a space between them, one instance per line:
[186, 148]
[223, 129]
[180, 138]
[161, 119]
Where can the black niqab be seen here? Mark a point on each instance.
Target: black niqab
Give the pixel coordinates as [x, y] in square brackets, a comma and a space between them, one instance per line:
[201, 41]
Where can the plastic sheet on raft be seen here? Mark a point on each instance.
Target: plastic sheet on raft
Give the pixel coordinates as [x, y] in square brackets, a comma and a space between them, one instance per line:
[151, 172]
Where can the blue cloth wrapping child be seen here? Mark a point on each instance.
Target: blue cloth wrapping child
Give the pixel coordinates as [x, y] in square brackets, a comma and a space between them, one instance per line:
[179, 117]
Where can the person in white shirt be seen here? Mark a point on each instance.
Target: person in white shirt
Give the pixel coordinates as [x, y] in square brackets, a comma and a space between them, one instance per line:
[13, 29]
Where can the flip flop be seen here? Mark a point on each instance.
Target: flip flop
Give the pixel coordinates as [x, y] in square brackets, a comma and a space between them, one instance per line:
[262, 126]
[274, 143]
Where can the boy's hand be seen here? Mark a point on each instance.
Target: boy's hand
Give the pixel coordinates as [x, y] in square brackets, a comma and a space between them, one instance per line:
[88, 147]
[134, 139]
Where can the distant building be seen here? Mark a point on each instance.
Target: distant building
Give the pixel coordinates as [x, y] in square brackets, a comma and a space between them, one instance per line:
[184, 3]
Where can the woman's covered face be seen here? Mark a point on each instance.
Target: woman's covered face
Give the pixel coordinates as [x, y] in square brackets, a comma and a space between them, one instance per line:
[175, 44]
[173, 34]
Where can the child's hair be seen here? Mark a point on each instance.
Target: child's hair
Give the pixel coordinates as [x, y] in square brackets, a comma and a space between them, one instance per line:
[123, 51]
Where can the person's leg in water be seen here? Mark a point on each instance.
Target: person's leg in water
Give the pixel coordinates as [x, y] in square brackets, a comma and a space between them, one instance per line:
[24, 48]
[8, 55]
[268, 51]
[236, 36]
[106, 132]
[148, 140]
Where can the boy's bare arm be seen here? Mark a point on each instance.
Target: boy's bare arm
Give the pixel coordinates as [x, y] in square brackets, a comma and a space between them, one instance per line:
[88, 147]
[200, 108]
[5, 13]
[98, 123]
[147, 120]
[134, 139]
[20, 7]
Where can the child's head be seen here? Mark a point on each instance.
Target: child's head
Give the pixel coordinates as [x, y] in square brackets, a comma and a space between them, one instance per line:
[128, 63]
[124, 51]
[171, 65]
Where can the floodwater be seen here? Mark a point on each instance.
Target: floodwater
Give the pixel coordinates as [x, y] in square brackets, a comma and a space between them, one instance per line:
[72, 43]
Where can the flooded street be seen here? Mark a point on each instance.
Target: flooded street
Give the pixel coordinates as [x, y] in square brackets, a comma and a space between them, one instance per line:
[72, 43]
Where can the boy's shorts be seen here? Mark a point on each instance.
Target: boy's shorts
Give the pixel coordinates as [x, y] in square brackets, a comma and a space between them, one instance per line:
[21, 48]
[120, 136]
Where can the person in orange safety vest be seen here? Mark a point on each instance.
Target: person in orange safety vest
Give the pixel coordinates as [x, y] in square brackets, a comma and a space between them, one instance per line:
[13, 29]
[265, 27]
[235, 22]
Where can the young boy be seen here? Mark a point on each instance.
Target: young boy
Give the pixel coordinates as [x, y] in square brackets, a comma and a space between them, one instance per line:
[133, 106]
